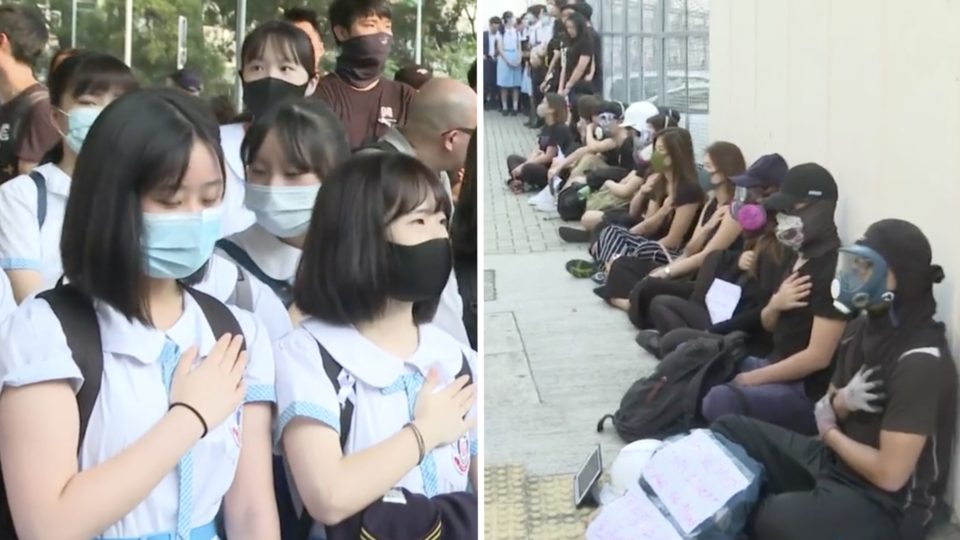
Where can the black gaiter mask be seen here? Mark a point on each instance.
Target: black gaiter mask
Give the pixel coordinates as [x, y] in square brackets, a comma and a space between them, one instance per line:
[260, 95]
[420, 272]
[362, 59]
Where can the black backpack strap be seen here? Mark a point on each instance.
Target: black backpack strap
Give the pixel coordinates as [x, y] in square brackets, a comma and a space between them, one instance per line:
[281, 288]
[79, 321]
[41, 184]
[332, 369]
[219, 316]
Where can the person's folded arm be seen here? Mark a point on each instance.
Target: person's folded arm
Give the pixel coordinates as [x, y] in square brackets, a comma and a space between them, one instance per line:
[626, 187]
[652, 220]
[889, 467]
[682, 218]
[727, 233]
[545, 158]
[824, 338]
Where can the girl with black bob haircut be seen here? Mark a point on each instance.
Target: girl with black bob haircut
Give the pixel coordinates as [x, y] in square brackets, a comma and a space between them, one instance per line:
[180, 426]
[276, 64]
[32, 206]
[287, 153]
[376, 259]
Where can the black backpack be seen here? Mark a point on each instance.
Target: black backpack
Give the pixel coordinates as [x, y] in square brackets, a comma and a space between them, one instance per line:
[281, 288]
[668, 401]
[79, 321]
[570, 205]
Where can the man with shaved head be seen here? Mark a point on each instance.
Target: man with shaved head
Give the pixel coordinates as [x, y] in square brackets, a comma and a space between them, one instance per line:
[440, 121]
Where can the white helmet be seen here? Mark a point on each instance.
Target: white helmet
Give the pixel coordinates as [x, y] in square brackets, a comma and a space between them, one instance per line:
[637, 113]
[631, 460]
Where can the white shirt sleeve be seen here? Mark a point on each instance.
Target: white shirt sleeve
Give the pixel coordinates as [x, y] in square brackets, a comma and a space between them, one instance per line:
[303, 388]
[33, 348]
[260, 375]
[268, 308]
[19, 228]
[7, 302]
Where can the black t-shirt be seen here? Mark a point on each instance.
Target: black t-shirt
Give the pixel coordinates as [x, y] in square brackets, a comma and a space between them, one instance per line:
[792, 332]
[621, 156]
[580, 47]
[558, 135]
[553, 46]
[27, 132]
[687, 193]
[366, 115]
[920, 382]
[597, 61]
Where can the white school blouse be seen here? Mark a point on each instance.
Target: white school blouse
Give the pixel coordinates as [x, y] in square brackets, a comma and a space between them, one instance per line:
[134, 397]
[385, 392]
[236, 217]
[7, 302]
[24, 245]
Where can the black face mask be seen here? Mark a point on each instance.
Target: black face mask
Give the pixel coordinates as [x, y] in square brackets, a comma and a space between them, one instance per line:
[260, 95]
[419, 273]
[362, 59]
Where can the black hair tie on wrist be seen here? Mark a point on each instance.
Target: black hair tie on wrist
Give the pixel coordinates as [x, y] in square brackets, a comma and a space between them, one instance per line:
[194, 411]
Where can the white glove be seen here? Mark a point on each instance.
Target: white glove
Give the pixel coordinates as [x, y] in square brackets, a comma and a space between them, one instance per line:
[860, 392]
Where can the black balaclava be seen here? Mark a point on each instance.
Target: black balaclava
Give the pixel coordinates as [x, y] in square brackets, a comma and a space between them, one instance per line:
[888, 333]
[819, 229]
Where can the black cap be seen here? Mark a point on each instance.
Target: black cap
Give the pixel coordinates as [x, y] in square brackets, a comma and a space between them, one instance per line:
[767, 171]
[804, 183]
[612, 107]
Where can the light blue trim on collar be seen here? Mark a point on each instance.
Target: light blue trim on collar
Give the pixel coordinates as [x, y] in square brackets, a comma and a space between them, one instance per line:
[203, 532]
[305, 409]
[261, 392]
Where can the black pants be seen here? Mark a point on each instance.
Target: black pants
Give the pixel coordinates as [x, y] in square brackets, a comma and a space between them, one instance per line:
[669, 313]
[533, 176]
[800, 502]
[491, 94]
[598, 176]
[643, 293]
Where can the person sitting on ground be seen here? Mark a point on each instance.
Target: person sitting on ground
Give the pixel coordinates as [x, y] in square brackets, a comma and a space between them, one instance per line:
[882, 462]
[604, 142]
[806, 327]
[367, 103]
[662, 236]
[186, 80]
[715, 230]
[628, 180]
[307, 20]
[26, 129]
[414, 75]
[555, 139]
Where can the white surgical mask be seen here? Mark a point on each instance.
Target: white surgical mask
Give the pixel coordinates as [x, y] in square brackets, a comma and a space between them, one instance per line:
[284, 211]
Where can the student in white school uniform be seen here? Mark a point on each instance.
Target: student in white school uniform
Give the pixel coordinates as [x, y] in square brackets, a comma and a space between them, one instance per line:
[171, 439]
[376, 259]
[80, 88]
[287, 152]
[276, 64]
[7, 302]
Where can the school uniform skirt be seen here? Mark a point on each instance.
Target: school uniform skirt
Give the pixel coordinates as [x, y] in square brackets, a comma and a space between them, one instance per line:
[507, 75]
[618, 241]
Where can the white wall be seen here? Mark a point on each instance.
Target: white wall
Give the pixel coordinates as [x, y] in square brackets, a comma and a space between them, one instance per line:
[868, 88]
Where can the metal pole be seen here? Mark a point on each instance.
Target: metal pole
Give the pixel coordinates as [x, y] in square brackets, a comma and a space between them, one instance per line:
[128, 35]
[419, 30]
[73, 26]
[241, 34]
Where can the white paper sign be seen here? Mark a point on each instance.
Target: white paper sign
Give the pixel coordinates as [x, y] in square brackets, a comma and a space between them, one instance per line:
[694, 478]
[631, 517]
[722, 300]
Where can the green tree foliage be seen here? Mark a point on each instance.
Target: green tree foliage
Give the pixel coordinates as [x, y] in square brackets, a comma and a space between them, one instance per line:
[448, 43]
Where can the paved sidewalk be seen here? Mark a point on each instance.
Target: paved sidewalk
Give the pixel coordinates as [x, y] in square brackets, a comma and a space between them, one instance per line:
[556, 358]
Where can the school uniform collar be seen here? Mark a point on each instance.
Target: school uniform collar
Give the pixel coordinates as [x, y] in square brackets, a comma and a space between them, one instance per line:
[231, 138]
[275, 257]
[56, 179]
[377, 368]
[119, 335]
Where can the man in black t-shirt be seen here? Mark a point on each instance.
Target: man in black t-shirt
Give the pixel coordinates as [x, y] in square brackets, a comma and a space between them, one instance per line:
[26, 128]
[800, 316]
[881, 465]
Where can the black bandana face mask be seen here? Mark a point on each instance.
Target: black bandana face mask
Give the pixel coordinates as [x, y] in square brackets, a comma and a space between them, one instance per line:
[262, 94]
[420, 272]
[362, 59]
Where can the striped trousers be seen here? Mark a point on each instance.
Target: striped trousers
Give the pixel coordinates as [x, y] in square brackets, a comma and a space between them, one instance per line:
[616, 240]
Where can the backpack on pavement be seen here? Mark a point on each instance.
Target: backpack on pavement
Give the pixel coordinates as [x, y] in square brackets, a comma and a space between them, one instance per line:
[667, 402]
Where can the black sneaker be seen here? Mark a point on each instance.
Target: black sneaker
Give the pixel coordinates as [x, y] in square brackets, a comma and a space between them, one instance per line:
[574, 235]
[650, 341]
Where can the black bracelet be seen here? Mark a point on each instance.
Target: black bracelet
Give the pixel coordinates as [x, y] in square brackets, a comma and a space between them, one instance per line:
[421, 446]
[194, 411]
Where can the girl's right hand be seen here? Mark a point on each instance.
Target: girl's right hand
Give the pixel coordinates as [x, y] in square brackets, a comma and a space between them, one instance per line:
[747, 258]
[440, 415]
[214, 387]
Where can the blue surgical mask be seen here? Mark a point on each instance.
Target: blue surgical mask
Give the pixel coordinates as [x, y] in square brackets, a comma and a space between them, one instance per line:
[79, 121]
[176, 245]
[284, 211]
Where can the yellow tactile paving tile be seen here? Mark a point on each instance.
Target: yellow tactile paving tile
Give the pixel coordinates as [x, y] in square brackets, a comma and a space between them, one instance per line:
[520, 507]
